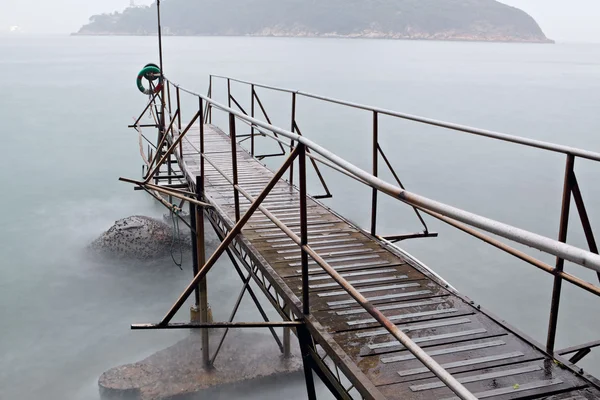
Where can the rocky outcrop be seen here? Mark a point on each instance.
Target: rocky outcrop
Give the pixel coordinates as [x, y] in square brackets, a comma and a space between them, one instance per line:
[139, 237]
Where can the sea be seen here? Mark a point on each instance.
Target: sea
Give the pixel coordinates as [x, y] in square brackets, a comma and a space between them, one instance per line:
[64, 109]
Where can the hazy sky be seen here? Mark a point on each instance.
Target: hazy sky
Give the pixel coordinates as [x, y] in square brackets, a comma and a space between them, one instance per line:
[561, 20]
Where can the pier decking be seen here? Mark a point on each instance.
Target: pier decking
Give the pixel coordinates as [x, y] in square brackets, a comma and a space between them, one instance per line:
[490, 358]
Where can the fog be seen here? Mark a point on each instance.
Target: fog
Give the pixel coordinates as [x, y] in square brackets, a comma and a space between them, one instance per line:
[564, 21]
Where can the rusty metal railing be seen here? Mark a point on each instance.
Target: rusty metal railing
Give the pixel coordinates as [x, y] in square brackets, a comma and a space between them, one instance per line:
[301, 146]
[570, 190]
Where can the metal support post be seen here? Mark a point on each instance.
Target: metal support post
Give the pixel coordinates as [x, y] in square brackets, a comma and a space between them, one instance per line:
[293, 129]
[562, 237]
[375, 172]
[234, 165]
[304, 340]
[286, 336]
[303, 228]
[201, 289]
[252, 115]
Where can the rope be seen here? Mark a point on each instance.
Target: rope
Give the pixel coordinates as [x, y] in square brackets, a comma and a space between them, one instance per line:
[176, 233]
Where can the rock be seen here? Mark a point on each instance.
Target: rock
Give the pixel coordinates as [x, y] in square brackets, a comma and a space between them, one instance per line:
[140, 237]
[178, 370]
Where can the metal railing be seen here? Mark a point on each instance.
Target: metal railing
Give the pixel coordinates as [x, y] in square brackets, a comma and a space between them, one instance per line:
[570, 189]
[300, 149]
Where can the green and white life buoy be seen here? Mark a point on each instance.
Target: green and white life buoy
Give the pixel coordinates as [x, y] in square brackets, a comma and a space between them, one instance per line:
[150, 72]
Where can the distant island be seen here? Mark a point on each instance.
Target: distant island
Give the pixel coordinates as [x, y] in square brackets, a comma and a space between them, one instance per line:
[466, 20]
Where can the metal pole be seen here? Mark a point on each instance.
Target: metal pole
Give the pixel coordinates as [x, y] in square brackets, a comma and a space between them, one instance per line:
[160, 56]
[375, 172]
[201, 127]
[210, 83]
[201, 289]
[293, 130]
[560, 262]
[585, 220]
[252, 126]
[195, 307]
[303, 228]
[304, 340]
[232, 137]
[229, 93]
[179, 121]
[286, 336]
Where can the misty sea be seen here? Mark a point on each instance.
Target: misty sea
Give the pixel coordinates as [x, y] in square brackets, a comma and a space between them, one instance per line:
[65, 106]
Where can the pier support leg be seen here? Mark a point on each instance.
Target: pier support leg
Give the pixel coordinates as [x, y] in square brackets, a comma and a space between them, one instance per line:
[304, 339]
[200, 311]
[286, 337]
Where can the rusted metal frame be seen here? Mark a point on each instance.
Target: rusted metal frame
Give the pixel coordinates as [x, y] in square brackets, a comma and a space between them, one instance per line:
[238, 105]
[264, 210]
[221, 229]
[399, 238]
[163, 139]
[580, 355]
[293, 127]
[578, 256]
[179, 121]
[560, 262]
[150, 103]
[195, 263]
[304, 341]
[575, 349]
[165, 177]
[327, 194]
[208, 94]
[201, 290]
[228, 93]
[393, 171]
[252, 111]
[585, 220]
[322, 370]
[312, 157]
[172, 147]
[219, 325]
[397, 333]
[375, 173]
[234, 165]
[168, 84]
[169, 206]
[253, 296]
[303, 228]
[167, 192]
[162, 71]
[228, 239]
[516, 253]
[231, 317]
[201, 130]
[367, 389]
[264, 112]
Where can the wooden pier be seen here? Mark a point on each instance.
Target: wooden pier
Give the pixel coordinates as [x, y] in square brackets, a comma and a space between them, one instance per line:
[350, 297]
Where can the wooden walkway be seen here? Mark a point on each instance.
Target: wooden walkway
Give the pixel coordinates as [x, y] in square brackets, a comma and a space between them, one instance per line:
[490, 358]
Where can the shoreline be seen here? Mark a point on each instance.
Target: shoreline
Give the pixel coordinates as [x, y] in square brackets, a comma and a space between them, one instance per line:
[331, 36]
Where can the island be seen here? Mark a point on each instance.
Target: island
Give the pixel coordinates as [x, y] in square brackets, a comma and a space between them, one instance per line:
[459, 20]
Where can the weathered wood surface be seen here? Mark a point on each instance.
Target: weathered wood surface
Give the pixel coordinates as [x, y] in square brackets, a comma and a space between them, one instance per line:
[490, 358]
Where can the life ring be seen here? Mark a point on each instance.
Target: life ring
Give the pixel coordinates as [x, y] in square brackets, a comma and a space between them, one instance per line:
[151, 72]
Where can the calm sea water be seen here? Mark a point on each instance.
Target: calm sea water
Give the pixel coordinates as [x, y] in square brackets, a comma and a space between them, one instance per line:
[65, 105]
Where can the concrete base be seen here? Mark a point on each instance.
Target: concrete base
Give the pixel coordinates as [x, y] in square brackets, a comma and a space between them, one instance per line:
[178, 371]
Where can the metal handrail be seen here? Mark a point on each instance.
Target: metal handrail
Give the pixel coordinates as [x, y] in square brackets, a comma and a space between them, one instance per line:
[565, 251]
[558, 148]
[432, 207]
